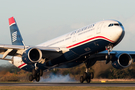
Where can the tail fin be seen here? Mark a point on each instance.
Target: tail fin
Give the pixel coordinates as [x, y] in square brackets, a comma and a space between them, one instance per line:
[16, 37]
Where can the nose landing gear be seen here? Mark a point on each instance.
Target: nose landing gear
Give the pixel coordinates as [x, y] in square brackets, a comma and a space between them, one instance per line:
[109, 49]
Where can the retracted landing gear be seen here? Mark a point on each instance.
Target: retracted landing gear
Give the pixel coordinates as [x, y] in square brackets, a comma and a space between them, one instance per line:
[36, 73]
[87, 76]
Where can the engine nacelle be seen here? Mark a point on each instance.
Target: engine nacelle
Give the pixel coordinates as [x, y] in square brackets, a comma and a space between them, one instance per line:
[32, 55]
[121, 61]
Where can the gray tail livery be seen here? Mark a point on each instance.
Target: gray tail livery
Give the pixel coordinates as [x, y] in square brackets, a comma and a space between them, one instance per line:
[16, 37]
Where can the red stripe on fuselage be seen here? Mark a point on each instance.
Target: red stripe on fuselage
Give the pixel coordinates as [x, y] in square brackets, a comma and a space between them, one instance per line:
[22, 65]
[11, 21]
[90, 40]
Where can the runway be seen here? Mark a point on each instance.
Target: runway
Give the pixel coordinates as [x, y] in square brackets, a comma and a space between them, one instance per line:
[71, 84]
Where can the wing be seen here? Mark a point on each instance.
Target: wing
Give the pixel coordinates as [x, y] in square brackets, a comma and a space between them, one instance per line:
[18, 50]
[12, 50]
[102, 55]
[18, 47]
[119, 59]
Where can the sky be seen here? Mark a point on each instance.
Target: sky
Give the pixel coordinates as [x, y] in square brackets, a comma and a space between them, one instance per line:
[42, 20]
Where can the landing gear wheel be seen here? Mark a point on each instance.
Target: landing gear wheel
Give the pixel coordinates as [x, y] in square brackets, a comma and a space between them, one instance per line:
[84, 75]
[92, 75]
[31, 77]
[41, 72]
[37, 78]
[88, 80]
[34, 72]
[81, 79]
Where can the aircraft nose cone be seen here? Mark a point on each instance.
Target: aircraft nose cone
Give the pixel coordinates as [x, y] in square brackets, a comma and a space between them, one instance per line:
[119, 34]
[119, 31]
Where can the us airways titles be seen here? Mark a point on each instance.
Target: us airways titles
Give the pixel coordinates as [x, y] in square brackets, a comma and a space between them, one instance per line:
[83, 29]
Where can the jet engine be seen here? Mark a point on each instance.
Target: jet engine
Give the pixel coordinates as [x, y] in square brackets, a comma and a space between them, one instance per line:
[121, 61]
[32, 55]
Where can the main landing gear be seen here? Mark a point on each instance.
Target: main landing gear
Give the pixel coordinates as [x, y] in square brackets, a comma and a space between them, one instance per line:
[87, 76]
[36, 73]
[89, 73]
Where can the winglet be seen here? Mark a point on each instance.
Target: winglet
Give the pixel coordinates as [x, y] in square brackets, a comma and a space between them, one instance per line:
[11, 21]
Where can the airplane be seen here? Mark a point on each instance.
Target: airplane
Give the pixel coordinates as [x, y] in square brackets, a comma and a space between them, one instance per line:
[87, 45]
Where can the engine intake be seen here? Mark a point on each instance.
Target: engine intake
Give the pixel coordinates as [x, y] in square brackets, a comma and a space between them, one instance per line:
[35, 55]
[32, 55]
[121, 61]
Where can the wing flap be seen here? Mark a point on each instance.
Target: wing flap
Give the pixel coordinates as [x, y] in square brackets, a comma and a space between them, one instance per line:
[6, 53]
[16, 47]
[52, 52]
[6, 59]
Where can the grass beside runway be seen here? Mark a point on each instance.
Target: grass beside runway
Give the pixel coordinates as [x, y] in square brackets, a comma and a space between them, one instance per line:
[62, 88]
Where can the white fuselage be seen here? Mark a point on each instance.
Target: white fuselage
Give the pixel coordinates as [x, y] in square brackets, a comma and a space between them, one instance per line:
[82, 35]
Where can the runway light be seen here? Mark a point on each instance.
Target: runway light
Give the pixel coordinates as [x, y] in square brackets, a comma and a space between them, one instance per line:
[103, 81]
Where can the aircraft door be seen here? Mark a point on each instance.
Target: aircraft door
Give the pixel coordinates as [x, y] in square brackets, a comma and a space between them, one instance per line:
[99, 27]
[74, 37]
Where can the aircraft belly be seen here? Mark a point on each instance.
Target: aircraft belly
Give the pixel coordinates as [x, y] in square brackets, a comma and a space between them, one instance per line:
[71, 58]
[70, 64]
[91, 47]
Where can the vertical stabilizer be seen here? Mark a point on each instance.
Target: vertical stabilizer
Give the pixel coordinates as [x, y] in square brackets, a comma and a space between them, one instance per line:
[16, 37]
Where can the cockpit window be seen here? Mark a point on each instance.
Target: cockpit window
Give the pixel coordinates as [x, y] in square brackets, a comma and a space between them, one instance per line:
[114, 24]
[110, 25]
